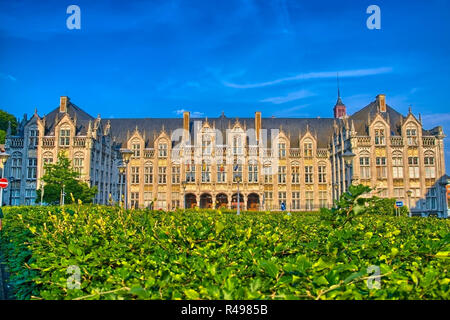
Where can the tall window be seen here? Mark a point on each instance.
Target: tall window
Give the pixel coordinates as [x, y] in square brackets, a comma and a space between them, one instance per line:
[413, 163]
[308, 174]
[323, 199]
[175, 200]
[206, 145]
[33, 138]
[309, 200]
[397, 166]
[282, 174]
[135, 200]
[364, 167]
[237, 171]
[134, 175]
[380, 137]
[253, 172]
[268, 200]
[381, 168]
[411, 136]
[431, 199]
[322, 173]
[148, 199]
[136, 148]
[175, 174]
[281, 199]
[296, 200]
[148, 173]
[162, 150]
[221, 173]
[237, 145]
[161, 203]
[267, 172]
[15, 193]
[78, 163]
[32, 167]
[282, 150]
[190, 172]
[308, 149]
[295, 168]
[430, 169]
[16, 165]
[64, 137]
[162, 175]
[206, 172]
[399, 192]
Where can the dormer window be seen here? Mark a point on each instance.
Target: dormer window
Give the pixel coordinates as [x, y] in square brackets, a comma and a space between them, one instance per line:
[411, 136]
[380, 137]
[162, 150]
[308, 149]
[136, 148]
[237, 145]
[33, 138]
[64, 137]
[282, 150]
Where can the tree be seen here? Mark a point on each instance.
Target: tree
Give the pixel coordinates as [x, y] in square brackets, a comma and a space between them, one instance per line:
[5, 119]
[61, 175]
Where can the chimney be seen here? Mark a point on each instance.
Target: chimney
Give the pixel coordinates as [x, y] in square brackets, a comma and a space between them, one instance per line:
[257, 124]
[186, 120]
[63, 101]
[381, 100]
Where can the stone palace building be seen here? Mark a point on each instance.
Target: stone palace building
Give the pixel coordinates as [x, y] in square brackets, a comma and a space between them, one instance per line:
[303, 164]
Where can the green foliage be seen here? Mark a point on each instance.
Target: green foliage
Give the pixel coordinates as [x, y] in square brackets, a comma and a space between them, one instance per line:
[61, 175]
[5, 118]
[209, 254]
[385, 206]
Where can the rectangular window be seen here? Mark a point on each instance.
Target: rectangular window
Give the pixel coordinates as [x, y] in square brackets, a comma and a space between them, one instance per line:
[430, 169]
[431, 199]
[281, 199]
[267, 174]
[323, 199]
[308, 150]
[268, 200]
[309, 200]
[399, 193]
[397, 167]
[206, 172]
[33, 138]
[135, 200]
[175, 174]
[252, 173]
[364, 167]
[282, 174]
[282, 150]
[134, 175]
[308, 174]
[221, 173]
[322, 174]
[32, 167]
[162, 150]
[380, 137]
[148, 174]
[381, 168]
[411, 137]
[413, 163]
[148, 199]
[136, 148]
[295, 174]
[161, 203]
[190, 172]
[64, 137]
[175, 200]
[162, 176]
[296, 200]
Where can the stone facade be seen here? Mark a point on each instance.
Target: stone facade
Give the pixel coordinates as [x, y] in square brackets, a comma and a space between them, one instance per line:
[179, 162]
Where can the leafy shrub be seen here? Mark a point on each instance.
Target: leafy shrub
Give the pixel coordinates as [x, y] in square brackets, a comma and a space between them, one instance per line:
[144, 254]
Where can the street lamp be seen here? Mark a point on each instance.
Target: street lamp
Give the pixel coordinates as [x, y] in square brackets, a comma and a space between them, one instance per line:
[237, 177]
[121, 168]
[3, 158]
[348, 159]
[409, 193]
[183, 184]
[126, 155]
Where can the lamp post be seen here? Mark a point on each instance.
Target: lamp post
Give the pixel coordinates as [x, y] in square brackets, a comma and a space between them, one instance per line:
[121, 168]
[126, 155]
[238, 179]
[183, 184]
[409, 193]
[348, 159]
[3, 158]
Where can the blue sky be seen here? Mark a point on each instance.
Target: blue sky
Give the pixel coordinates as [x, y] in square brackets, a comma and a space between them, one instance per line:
[157, 58]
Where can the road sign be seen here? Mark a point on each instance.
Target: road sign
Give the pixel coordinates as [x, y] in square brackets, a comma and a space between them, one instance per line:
[399, 204]
[3, 183]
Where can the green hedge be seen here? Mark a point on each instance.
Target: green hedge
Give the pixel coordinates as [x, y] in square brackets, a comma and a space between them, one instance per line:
[144, 254]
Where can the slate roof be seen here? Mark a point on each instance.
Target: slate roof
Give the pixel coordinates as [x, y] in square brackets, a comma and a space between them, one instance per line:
[83, 119]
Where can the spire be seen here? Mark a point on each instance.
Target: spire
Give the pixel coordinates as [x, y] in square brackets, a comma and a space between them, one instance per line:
[339, 100]
[340, 110]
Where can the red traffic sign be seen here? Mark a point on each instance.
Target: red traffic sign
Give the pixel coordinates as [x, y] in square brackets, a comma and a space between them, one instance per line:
[3, 183]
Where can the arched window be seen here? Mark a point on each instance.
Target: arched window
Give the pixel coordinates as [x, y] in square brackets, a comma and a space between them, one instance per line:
[78, 163]
[380, 134]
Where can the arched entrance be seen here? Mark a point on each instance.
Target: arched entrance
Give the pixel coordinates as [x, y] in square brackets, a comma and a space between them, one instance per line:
[191, 200]
[253, 202]
[221, 201]
[205, 201]
[234, 198]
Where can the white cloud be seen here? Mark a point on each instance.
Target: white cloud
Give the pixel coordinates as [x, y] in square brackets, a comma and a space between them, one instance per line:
[7, 77]
[290, 97]
[313, 75]
[193, 114]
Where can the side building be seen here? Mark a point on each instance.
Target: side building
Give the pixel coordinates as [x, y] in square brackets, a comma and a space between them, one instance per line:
[303, 164]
